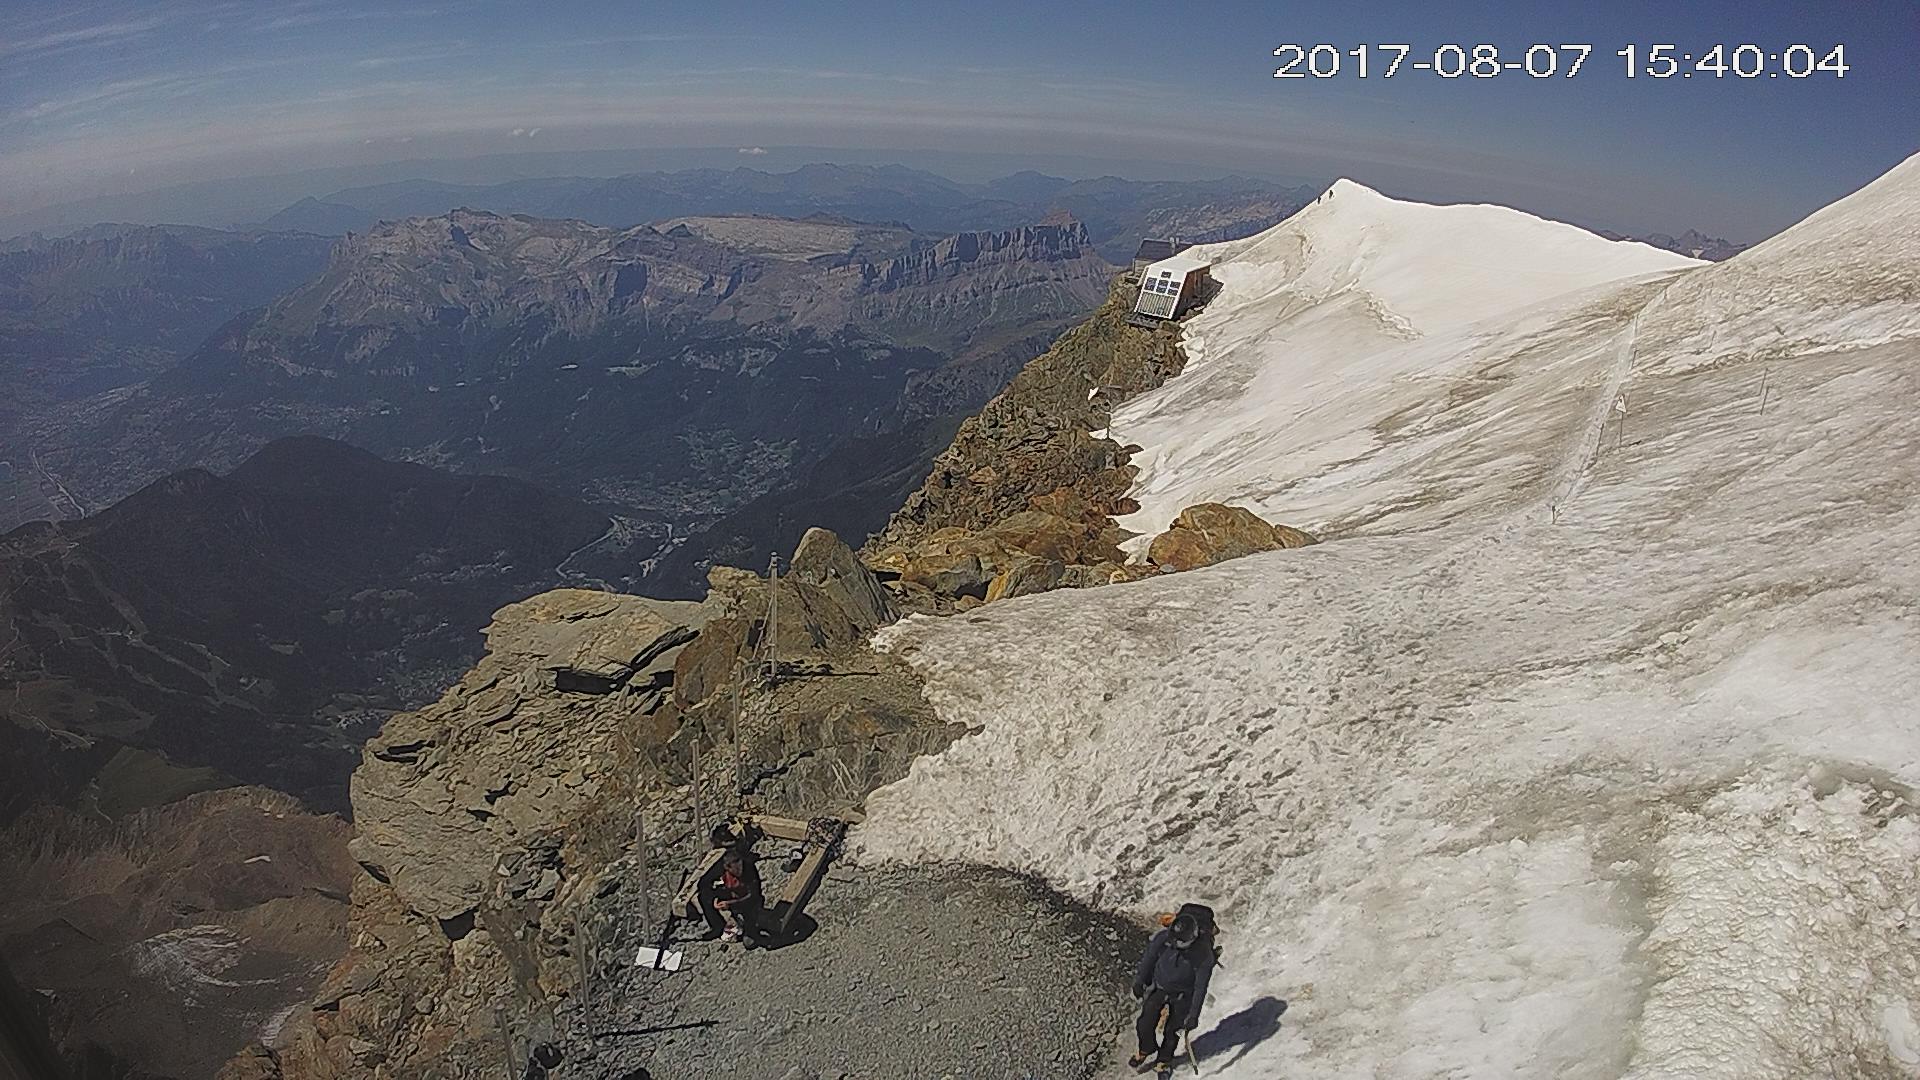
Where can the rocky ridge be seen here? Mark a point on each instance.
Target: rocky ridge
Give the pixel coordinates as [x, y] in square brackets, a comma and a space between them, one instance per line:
[490, 822]
[1024, 499]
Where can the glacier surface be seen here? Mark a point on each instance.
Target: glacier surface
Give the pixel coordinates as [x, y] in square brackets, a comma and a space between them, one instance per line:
[1586, 746]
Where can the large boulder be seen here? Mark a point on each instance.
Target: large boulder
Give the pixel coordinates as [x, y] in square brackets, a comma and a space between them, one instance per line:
[808, 619]
[823, 560]
[959, 574]
[1025, 576]
[1050, 536]
[601, 639]
[1215, 532]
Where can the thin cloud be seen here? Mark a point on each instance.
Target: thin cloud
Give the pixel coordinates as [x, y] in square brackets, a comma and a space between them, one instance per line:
[65, 40]
[316, 16]
[424, 56]
[753, 151]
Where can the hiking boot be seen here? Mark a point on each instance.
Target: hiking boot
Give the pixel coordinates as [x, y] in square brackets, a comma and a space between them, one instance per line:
[1162, 1070]
[1138, 1062]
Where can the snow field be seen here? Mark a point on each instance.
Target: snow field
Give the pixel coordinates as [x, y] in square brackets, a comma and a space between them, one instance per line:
[1620, 789]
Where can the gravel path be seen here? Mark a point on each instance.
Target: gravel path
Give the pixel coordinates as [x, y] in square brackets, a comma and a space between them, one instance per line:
[914, 972]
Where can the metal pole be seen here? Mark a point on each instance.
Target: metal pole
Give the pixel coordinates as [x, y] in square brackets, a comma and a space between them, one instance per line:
[773, 616]
[646, 871]
[739, 679]
[583, 957]
[506, 1041]
[698, 820]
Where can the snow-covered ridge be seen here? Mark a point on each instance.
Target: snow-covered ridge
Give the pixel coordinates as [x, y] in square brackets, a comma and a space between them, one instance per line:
[1590, 752]
[1315, 366]
[1427, 268]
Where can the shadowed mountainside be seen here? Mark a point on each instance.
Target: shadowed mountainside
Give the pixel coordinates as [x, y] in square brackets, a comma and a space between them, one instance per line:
[256, 623]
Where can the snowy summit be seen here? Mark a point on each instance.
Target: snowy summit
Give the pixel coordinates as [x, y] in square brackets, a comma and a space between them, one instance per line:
[1359, 304]
[1584, 746]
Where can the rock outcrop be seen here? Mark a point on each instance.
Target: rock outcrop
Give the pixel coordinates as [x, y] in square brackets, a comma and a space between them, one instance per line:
[488, 823]
[823, 561]
[1208, 533]
[1023, 500]
[1033, 438]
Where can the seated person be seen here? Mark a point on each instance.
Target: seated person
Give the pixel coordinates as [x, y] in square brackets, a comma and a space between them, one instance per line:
[731, 891]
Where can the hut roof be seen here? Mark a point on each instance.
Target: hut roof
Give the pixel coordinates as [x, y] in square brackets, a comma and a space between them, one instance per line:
[1155, 250]
[1179, 265]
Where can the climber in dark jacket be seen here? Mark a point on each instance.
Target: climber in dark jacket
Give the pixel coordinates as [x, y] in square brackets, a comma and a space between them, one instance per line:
[1171, 979]
[732, 891]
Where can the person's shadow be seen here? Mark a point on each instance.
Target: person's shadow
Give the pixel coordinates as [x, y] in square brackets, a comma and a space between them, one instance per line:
[1243, 1030]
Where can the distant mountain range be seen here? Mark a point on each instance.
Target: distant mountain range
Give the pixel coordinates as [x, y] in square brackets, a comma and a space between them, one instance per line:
[1116, 212]
[457, 344]
[1693, 243]
[669, 374]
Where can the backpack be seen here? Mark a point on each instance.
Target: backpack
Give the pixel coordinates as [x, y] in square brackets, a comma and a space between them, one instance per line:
[1203, 917]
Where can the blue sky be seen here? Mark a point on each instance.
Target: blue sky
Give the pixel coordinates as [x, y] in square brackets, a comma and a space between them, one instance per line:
[118, 97]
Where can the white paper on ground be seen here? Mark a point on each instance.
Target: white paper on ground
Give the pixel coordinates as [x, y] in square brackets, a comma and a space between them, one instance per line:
[659, 960]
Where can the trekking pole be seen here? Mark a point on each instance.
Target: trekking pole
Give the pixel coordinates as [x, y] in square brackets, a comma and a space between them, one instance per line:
[1192, 1058]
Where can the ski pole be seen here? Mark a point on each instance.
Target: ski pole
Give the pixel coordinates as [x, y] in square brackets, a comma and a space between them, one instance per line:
[1192, 1058]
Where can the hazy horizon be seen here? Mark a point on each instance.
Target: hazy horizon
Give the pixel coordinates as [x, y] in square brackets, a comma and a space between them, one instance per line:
[115, 98]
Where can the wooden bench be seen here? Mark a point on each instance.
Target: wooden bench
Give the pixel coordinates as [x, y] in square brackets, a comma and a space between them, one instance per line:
[781, 911]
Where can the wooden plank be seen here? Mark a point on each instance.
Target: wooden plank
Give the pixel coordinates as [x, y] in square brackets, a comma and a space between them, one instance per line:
[780, 828]
[800, 888]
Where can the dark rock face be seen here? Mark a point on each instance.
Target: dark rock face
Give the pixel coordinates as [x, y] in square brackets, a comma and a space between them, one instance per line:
[253, 623]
